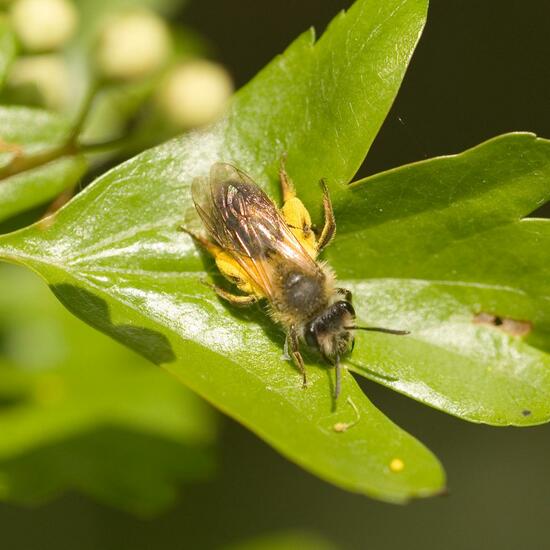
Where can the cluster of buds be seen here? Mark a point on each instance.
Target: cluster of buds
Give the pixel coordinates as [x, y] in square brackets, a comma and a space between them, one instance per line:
[43, 27]
[129, 45]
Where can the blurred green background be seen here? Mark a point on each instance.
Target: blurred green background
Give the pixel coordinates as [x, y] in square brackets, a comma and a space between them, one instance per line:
[481, 69]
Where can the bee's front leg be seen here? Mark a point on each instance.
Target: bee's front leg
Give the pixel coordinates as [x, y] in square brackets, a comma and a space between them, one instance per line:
[348, 296]
[294, 346]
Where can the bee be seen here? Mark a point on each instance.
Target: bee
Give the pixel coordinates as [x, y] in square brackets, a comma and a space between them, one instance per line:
[272, 254]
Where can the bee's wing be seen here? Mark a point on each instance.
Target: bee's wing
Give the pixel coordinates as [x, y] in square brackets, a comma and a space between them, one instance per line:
[243, 220]
[212, 197]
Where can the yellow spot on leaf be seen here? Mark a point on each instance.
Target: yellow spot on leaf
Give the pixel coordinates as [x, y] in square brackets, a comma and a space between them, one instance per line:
[397, 465]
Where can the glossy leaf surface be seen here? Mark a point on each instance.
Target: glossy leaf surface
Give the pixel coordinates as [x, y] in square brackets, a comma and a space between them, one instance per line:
[439, 246]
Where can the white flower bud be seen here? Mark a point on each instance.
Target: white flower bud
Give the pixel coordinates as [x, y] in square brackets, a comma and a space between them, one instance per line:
[44, 24]
[50, 75]
[133, 44]
[195, 93]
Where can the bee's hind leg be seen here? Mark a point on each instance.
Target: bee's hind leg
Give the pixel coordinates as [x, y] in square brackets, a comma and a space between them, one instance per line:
[295, 213]
[294, 347]
[287, 187]
[209, 246]
[227, 267]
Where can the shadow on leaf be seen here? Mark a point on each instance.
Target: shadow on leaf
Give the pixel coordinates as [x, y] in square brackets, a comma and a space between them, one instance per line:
[92, 309]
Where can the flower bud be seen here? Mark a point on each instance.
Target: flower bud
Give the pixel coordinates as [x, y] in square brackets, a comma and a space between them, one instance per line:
[132, 45]
[43, 24]
[48, 73]
[195, 93]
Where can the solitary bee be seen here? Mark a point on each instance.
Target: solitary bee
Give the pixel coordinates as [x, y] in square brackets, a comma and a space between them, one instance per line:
[271, 254]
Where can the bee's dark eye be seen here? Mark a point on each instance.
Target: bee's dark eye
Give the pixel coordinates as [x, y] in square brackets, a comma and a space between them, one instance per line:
[310, 335]
[346, 306]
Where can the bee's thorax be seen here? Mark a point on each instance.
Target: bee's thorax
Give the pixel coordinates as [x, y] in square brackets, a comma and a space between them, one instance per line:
[302, 296]
[303, 293]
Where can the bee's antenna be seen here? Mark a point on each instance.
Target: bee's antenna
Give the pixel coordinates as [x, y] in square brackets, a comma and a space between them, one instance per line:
[380, 329]
[338, 383]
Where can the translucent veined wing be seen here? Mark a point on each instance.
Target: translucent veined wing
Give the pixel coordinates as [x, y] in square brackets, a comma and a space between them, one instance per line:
[243, 220]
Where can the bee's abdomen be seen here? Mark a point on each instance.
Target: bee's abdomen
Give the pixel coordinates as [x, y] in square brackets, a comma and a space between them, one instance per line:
[303, 294]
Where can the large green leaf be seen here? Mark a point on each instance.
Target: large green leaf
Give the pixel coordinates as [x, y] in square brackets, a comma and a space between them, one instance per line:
[114, 255]
[101, 421]
[32, 171]
[435, 244]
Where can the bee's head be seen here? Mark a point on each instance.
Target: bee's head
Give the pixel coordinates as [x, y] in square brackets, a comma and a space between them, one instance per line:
[330, 333]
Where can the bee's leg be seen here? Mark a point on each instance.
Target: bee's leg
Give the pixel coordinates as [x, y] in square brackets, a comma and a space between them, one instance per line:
[210, 247]
[287, 187]
[329, 228]
[234, 299]
[348, 296]
[295, 213]
[294, 346]
[229, 269]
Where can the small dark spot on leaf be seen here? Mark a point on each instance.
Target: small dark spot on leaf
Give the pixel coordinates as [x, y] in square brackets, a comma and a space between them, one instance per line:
[526, 412]
[515, 327]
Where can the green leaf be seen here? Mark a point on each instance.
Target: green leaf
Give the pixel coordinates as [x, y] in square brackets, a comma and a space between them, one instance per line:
[35, 131]
[39, 185]
[291, 540]
[103, 422]
[115, 258]
[136, 471]
[324, 101]
[8, 48]
[436, 243]
[32, 141]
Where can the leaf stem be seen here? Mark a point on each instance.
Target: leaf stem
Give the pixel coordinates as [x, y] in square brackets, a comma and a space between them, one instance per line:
[21, 163]
[101, 146]
[84, 110]
[71, 146]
